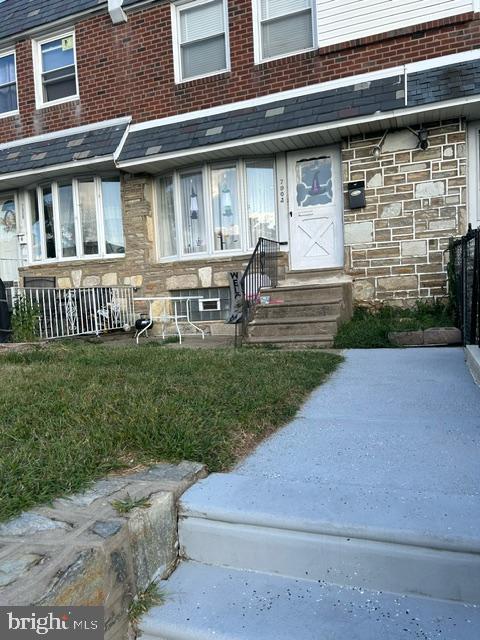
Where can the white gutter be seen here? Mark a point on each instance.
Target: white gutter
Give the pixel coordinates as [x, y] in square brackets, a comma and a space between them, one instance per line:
[115, 9]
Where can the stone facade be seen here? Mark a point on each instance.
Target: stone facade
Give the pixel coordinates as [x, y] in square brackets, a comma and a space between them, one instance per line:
[416, 200]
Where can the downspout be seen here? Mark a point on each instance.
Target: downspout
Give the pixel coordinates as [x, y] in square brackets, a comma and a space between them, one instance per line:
[117, 14]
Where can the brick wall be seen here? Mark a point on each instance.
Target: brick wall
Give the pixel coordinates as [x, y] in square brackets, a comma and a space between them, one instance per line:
[128, 69]
[416, 200]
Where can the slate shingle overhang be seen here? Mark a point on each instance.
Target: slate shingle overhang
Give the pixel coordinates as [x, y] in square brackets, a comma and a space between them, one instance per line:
[19, 16]
[84, 146]
[326, 106]
[332, 106]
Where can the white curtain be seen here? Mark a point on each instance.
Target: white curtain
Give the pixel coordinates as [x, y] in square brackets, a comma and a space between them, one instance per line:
[166, 218]
[112, 215]
[67, 220]
[226, 215]
[88, 216]
[261, 200]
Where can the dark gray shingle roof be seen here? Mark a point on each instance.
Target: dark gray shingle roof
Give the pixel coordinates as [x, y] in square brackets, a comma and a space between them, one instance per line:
[89, 144]
[17, 16]
[311, 109]
[444, 83]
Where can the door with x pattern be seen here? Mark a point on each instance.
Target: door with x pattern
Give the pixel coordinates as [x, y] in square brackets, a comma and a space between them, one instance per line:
[316, 209]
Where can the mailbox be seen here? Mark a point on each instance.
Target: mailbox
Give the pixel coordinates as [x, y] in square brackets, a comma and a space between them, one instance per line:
[356, 195]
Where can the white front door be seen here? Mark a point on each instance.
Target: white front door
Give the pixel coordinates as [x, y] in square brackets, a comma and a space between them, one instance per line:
[315, 198]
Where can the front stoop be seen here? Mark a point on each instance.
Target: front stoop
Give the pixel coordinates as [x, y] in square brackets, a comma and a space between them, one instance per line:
[301, 314]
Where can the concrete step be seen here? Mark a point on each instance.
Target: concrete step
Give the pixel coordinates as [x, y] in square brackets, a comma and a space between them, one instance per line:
[394, 540]
[212, 603]
[280, 327]
[323, 341]
[309, 293]
[299, 309]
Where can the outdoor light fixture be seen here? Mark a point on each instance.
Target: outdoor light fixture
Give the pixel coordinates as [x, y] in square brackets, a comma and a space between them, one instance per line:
[423, 138]
[377, 149]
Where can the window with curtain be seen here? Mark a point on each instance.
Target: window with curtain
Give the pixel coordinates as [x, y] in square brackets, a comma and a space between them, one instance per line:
[8, 83]
[226, 211]
[285, 26]
[112, 216]
[193, 213]
[58, 74]
[202, 39]
[238, 207]
[260, 176]
[80, 217]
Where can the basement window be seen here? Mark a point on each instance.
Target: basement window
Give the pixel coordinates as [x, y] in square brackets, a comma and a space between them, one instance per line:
[55, 70]
[215, 304]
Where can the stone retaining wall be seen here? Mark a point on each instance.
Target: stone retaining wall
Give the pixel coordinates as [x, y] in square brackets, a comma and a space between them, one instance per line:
[81, 551]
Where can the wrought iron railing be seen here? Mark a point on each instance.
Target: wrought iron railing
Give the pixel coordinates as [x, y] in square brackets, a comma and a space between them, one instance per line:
[465, 284]
[64, 313]
[261, 272]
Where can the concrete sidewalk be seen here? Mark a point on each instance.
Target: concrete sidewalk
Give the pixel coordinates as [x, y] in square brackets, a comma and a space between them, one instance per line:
[367, 500]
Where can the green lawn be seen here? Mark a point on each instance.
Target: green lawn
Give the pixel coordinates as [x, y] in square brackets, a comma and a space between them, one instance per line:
[71, 413]
[369, 329]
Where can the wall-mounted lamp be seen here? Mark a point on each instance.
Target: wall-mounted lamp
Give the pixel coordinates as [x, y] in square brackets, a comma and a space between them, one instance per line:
[377, 149]
[422, 135]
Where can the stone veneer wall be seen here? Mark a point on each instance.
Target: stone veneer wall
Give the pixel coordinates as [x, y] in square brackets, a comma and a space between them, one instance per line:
[139, 267]
[416, 200]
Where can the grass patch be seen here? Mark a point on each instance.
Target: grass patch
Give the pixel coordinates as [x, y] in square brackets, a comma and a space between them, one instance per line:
[369, 329]
[72, 413]
[151, 597]
[128, 504]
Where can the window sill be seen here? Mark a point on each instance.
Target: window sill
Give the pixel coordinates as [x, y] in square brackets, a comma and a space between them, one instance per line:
[9, 114]
[306, 53]
[54, 103]
[206, 258]
[205, 79]
[73, 261]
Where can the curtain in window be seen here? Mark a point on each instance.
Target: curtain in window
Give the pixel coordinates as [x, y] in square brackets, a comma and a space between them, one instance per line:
[8, 84]
[35, 226]
[88, 216]
[112, 215]
[226, 214]
[202, 39]
[58, 69]
[67, 221]
[193, 213]
[286, 26]
[47, 203]
[166, 218]
[8, 239]
[260, 200]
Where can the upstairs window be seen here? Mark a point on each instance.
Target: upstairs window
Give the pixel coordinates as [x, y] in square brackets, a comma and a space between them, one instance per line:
[56, 70]
[200, 35]
[284, 27]
[8, 84]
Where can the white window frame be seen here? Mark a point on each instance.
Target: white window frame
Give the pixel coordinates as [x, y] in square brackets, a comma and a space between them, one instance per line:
[4, 54]
[201, 305]
[38, 70]
[206, 170]
[176, 9]
[257, 35]
[100, 214]
[473, 160]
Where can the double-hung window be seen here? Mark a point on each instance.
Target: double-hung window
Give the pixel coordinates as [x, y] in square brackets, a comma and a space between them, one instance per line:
[8, 84]
[55, 70]
[284, 27]
[200, 34]
[216, 209]
[76, 219]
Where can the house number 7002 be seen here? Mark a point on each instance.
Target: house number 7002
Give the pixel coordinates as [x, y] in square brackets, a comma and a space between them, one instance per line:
[282, 190]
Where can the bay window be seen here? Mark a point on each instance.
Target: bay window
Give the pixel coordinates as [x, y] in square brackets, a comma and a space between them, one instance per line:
[76, 218]
[216, 209]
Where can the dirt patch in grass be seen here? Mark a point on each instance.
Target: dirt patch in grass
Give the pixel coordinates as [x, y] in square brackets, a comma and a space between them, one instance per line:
[72, 413]
[369, 329]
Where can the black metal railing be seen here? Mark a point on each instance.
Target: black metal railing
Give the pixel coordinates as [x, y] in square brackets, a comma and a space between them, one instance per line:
[261, 273]
[464, 276]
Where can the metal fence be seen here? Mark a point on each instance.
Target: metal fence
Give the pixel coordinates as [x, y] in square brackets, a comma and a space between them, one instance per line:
[64, 313]
[465, 284]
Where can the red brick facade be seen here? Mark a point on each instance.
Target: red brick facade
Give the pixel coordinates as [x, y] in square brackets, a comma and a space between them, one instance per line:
[128, 69]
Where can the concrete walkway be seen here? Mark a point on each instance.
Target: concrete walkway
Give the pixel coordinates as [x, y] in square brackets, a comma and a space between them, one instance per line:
[373, 488]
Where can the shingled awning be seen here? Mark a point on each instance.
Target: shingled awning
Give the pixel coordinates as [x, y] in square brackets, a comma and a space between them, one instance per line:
[37, 158]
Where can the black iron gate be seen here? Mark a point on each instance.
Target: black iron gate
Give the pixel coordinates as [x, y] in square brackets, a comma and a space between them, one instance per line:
[465, 284]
